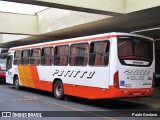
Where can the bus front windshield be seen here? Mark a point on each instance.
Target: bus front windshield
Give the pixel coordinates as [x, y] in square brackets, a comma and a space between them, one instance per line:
[135, 48]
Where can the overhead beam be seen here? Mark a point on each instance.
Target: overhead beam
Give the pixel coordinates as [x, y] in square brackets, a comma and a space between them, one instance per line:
[11, 37]
[136, 5]
[18, 24]
[144, 19]
[105, 7]
[0, 38]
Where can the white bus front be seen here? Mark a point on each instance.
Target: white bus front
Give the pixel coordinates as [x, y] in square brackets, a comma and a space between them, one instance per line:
[135, 67]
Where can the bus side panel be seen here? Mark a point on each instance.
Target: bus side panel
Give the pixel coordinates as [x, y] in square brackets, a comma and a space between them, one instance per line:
[83, 76]
[99, 93]
[38, 83]
[25, 76]
[113, 60]
[35, 77]
[29, 77]
[22, 76]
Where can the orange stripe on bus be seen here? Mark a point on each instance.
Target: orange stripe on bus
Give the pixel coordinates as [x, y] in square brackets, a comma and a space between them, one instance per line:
[100, 93]
[22, 75]
[35, 76]
[66, 42]
[29, 78]
[76, 90]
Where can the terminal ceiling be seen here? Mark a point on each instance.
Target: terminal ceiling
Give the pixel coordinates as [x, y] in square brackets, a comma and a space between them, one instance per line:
[145, 22]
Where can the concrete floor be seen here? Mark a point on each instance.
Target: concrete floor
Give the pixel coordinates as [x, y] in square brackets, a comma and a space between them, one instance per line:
[29, 100]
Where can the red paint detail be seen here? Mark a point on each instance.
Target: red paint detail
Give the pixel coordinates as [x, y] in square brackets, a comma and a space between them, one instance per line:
[116, 80]
[133, 57]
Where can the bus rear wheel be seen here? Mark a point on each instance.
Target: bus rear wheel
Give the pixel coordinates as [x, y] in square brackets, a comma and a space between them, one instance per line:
[58, 90]
[16, 83]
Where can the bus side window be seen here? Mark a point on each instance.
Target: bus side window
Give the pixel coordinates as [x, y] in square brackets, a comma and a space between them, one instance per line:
[9, 62]
[79, 54]
[17, 57]
[35, 56]
[25, 57]
[46, 56]
[99, 53]
[61, 55]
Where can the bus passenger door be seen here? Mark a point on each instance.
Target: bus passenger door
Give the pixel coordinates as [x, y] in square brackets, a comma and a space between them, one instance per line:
[9, 70]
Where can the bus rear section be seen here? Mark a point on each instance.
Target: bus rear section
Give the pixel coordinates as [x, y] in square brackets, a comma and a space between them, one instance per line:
[135, 74]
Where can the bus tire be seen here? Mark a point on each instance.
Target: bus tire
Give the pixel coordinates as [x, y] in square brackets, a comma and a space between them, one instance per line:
[58, 90]
[16, 83]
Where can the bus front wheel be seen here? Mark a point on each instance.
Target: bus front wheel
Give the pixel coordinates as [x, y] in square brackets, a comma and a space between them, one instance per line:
[58, 90]
[16, 83]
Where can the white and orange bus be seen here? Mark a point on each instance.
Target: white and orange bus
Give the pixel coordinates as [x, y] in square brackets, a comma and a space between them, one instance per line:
[110, 65]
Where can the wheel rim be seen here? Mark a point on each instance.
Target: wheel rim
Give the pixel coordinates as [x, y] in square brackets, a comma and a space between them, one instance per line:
[59, 90]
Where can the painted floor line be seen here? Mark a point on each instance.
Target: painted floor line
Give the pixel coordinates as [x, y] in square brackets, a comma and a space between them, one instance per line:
[77, 109]
[65, 106]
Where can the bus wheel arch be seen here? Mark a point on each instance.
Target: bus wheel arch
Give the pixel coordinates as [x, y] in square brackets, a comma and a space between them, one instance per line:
[58, 89]
[16, 82]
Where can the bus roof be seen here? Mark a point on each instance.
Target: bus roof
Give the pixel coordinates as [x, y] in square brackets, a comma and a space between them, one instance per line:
[77, 40]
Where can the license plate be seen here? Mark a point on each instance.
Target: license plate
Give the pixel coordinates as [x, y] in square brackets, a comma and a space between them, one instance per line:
[136, 93]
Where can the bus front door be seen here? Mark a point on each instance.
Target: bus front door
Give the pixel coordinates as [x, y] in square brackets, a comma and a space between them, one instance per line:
[9, 69]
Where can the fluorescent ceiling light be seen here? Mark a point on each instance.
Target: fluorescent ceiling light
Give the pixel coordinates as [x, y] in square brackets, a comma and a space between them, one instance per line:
[20, 8]
[150, 29]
